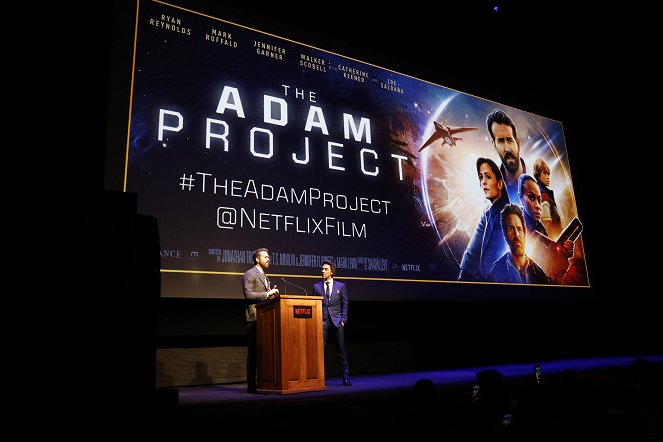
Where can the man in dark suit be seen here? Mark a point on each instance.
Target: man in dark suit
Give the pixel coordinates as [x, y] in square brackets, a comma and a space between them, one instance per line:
[256, 288]
[334, 313]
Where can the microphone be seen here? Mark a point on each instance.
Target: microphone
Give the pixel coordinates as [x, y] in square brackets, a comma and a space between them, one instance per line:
[286, 284]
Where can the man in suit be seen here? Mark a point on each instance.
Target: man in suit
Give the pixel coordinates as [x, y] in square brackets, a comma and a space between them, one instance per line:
[256, 288]
[334, 313]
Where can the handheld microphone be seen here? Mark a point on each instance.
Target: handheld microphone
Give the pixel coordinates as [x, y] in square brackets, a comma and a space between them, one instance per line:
[302, 288]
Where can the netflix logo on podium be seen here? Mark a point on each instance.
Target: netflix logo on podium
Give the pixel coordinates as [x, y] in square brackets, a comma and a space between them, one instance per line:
[303, 311]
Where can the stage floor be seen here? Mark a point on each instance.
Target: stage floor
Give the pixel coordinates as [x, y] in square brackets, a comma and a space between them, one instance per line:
[396, 383]
[376, 407]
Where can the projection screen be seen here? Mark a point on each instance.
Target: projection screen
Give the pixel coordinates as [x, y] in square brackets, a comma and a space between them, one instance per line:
[239, 139]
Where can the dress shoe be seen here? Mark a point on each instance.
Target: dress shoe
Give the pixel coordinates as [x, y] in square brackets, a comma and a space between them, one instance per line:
[346, 382]
[251, 390]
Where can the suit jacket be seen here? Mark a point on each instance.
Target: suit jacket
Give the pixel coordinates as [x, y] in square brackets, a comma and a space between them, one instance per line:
[337, 308]
[256, 289]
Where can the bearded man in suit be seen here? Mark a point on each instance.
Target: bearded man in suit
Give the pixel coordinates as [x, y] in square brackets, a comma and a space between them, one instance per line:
[256, 288]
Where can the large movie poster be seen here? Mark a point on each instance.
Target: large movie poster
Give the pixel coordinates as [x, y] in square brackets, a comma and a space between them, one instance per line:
[240, 139]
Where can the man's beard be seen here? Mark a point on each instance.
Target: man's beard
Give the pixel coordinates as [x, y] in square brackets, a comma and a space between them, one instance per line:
[510, 162]
[518, 249]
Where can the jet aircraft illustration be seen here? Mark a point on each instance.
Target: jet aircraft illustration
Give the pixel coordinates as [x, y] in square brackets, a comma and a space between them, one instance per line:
[447, 134]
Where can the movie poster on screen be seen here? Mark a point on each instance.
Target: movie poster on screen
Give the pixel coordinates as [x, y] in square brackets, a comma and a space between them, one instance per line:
[240, 139]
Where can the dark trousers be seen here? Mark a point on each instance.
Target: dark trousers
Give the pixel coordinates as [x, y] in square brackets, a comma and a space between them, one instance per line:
[252, 355]
[338, 333]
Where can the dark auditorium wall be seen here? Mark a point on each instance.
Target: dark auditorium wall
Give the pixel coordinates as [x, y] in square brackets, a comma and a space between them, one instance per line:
[71, 69]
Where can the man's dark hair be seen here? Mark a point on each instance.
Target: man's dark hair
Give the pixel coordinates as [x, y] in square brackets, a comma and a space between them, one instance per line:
[493, 167]
[257, 252]
[500, 117]
[510, 209]
[331, 266]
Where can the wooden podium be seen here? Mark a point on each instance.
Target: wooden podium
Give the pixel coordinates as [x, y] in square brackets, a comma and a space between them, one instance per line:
[290, 348]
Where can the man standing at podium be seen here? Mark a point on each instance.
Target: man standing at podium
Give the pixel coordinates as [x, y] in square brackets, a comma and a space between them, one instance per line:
[334, 313]
[256, 288]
